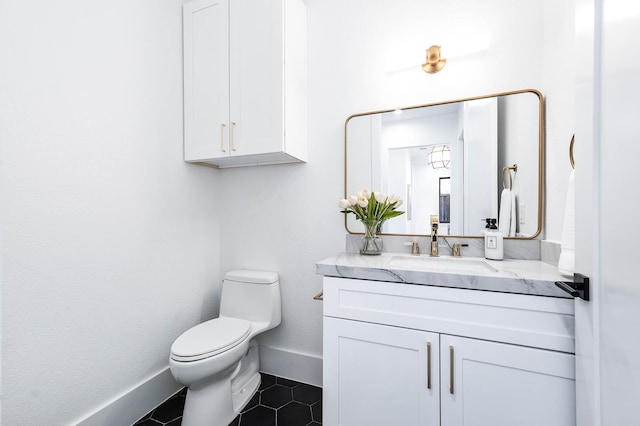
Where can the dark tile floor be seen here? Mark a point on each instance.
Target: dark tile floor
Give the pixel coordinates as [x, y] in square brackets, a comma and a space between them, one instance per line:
[278, 402]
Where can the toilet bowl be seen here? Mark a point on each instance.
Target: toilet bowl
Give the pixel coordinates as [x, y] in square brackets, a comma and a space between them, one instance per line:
[218, 360]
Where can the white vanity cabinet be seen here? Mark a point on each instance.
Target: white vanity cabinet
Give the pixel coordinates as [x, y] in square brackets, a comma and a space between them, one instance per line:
[244, 82]
[420, 355]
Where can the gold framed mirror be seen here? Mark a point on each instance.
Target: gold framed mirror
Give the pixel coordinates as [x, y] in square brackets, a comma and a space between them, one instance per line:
[484, 145]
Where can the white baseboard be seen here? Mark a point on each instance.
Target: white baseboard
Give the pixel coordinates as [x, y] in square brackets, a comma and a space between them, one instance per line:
[129, 407]
[292, 365]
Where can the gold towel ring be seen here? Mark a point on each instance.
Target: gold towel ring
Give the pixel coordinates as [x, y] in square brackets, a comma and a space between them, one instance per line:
[573, 164]
[508, 170]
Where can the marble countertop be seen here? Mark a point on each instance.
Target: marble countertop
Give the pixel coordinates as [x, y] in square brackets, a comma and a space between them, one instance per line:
[508, 276]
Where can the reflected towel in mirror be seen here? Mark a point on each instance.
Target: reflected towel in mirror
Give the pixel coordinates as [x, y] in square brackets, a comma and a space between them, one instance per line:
[507, 218]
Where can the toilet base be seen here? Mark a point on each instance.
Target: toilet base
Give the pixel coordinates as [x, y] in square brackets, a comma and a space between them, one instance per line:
[245, 384]
[218, 402]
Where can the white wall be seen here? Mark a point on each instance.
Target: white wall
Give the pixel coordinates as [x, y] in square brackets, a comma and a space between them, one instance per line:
[558, 89]
[110, 242]
[480, 154]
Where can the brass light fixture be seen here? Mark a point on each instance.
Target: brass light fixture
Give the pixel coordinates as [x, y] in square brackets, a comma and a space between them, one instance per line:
[434, 62]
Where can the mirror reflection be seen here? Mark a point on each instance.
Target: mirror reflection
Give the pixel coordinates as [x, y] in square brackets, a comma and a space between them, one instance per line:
[454, 160]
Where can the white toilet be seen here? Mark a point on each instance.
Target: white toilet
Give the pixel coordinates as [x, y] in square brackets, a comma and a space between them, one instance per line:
[218, 360]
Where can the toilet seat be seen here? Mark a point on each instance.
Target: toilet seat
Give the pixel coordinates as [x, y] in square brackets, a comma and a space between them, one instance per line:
[210, 338]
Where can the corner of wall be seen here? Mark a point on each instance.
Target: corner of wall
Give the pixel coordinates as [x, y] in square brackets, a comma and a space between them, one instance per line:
[292, 365]
[550, 252]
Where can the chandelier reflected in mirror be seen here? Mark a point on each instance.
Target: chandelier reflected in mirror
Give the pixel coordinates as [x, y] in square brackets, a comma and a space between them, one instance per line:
[439, 157]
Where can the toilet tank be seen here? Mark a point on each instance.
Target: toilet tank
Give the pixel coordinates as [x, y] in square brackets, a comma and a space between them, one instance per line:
[252, 295]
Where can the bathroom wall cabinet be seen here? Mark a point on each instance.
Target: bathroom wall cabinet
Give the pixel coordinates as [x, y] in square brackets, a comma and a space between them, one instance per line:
[422, 355]
[244, 82]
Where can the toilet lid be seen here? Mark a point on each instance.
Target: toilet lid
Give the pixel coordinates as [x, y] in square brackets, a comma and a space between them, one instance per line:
[210, 338]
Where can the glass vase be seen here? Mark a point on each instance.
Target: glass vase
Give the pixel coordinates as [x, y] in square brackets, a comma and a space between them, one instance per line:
[371, 244]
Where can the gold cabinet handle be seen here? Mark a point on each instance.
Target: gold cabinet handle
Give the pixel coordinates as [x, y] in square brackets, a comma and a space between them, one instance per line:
[428, 365]
[451, 357]
[319, 296]
[222, 126]
[233, 126]
[573, 163]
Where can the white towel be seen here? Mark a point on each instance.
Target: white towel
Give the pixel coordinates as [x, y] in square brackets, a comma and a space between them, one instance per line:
[506, 212]
[566, 263]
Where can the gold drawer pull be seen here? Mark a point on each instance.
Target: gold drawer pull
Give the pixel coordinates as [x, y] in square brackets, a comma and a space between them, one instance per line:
[222, 126]
[319, 296]
[428, 365]
[233, 126]
[451, 360]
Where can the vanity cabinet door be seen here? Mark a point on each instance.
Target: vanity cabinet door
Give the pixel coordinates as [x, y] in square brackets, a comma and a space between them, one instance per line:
[487, 384]
[379, 375]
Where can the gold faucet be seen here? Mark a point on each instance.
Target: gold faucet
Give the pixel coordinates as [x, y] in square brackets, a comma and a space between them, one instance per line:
[455, 251]
[415, 249]
[434, 237]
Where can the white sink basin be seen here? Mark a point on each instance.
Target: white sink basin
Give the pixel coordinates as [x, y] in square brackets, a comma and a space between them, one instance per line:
[441, 264]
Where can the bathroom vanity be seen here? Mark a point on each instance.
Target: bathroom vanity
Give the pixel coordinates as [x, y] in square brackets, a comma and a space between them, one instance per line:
[445, 341]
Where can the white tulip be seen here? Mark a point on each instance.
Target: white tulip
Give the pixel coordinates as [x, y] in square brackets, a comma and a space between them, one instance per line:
[380, 197]
[353, 200]
[395, 199]
[363, 202]
[366, 194]
[344, 203]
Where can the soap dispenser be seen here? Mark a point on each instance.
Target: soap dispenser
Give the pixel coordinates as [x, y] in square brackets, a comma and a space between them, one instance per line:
[493, 241]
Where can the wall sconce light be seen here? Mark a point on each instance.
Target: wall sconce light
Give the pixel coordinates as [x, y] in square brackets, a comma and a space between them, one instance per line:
[434, 63]
[439, 157]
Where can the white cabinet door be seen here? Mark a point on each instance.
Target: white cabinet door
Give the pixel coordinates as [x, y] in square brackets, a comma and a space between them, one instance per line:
[206, 79]
[379, 375]
[487, 384]
[257, 76]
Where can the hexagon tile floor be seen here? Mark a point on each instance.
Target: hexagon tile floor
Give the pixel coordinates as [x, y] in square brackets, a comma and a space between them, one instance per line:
[278, 402]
